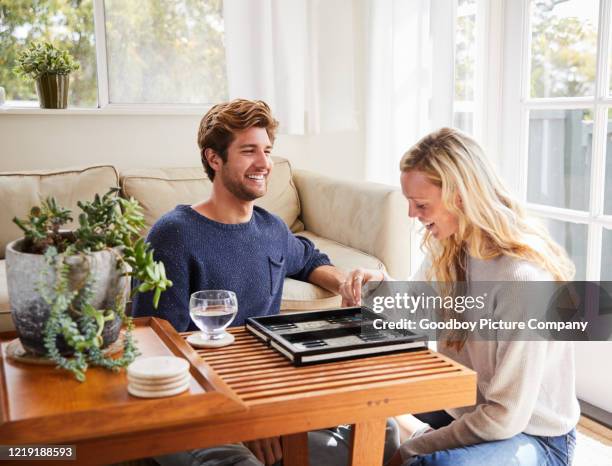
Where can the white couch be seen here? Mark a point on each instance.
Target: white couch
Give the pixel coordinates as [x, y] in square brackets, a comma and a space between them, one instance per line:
[356, 224]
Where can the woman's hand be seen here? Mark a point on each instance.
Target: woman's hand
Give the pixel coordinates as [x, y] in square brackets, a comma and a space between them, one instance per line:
[351, 288]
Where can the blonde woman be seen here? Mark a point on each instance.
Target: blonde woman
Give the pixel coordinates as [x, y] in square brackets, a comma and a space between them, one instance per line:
[526, 407]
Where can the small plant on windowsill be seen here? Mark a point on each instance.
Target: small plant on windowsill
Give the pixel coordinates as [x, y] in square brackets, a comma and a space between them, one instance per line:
[68, 289]
[50, 68]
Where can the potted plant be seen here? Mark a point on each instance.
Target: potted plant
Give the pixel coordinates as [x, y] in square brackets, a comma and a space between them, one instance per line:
[68, 289]
[50, 67]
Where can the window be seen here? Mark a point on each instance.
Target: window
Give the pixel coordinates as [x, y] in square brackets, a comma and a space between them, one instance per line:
[567, 104]
[67, 23]
[168, 52]
[148, 51]
[556, 121]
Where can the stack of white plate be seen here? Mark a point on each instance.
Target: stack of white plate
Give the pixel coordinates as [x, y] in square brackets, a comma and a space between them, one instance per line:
[158, 376]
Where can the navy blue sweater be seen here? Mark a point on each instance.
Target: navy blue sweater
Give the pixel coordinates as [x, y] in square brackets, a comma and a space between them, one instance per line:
[251, 259]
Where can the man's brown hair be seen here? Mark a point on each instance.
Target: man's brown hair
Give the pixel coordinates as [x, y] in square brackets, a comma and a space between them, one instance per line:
[218, 126]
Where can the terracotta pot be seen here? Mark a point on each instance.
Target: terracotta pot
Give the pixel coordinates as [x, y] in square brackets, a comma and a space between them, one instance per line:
[52, 90]
[26, 273]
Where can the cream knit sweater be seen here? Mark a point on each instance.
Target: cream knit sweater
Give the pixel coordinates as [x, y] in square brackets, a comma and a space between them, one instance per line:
[523, 386]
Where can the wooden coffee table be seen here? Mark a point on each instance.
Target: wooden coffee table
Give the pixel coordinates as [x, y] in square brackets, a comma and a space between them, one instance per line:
[242, 392]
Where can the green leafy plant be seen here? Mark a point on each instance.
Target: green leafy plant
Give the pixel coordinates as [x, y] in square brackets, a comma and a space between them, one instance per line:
[44, 58]
[111, 223]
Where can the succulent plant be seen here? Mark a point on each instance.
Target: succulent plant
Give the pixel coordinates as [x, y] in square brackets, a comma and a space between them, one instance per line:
[42, 58]
[111, 223]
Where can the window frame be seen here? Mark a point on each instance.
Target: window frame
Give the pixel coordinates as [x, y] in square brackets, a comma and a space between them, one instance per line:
[488, 76]
[101, 53]
[518, 104]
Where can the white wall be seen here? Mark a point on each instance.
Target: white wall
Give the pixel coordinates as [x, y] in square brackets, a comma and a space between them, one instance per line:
[55, 141]
[29, 142]
[593, 381]
[50, 141]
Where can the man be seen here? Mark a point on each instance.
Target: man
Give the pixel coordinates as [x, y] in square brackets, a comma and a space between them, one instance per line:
[226, 242]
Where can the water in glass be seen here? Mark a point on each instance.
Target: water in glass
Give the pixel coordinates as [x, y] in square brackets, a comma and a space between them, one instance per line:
[212, 311]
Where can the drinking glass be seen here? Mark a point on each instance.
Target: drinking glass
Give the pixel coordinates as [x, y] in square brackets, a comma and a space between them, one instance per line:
[212, 311]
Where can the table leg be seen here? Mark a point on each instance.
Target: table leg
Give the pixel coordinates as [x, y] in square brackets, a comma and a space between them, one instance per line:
[368, 442]
[295, 449]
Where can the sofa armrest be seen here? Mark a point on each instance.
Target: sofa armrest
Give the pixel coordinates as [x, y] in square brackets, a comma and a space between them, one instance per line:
[370, 217]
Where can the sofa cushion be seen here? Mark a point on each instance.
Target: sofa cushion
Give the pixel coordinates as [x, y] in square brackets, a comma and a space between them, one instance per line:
[28, 188]
[302, 296]
[159, 190]
[343, 257]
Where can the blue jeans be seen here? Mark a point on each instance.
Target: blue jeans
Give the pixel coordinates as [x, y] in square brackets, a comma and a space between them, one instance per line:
[522, 449]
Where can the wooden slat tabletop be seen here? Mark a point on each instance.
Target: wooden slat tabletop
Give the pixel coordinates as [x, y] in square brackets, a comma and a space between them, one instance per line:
[259, 374]
[244, 391]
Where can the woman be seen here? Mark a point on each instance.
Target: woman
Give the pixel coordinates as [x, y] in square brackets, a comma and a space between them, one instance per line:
[526, 407]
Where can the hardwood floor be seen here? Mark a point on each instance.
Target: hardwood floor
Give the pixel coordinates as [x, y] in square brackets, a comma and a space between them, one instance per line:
[595, 430]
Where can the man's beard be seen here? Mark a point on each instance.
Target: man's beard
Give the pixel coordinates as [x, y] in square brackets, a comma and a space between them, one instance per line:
[239, 190]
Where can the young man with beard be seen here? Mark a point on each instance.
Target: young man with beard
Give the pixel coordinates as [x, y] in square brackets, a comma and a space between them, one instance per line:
[226, 242]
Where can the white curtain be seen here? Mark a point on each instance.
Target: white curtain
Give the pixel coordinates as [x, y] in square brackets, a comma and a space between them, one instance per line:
[409, 84]
[332, 72]
[285, 52]
[403, 96]
[265, 52]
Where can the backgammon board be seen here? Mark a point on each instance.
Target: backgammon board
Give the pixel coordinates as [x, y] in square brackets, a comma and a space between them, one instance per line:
[331, 335]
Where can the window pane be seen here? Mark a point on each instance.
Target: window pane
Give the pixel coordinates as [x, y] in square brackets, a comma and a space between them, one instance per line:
[162, 51]
[563, 47]
[65, 23]
[608, 172]
[573, 237]
[465, 49]
[558, 171]
[465, 56]
[606, 256]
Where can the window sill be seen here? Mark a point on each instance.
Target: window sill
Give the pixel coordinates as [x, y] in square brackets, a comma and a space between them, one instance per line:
[111, 110]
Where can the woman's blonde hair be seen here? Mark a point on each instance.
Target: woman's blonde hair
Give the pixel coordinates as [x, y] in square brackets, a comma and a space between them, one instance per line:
[491, 221]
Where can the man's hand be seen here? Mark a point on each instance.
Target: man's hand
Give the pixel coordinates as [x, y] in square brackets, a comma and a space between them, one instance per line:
[267, 450]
